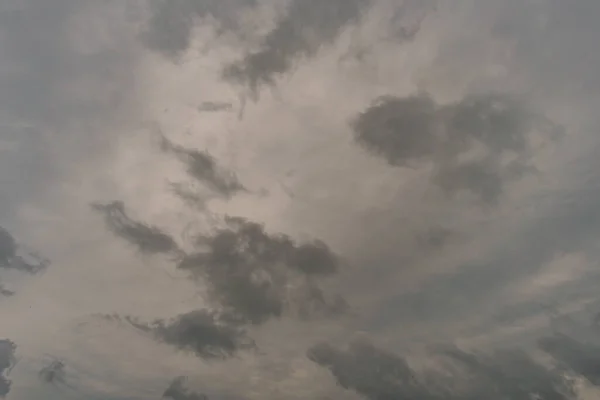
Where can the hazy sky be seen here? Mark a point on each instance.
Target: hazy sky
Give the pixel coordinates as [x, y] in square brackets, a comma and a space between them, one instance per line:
[299, 199]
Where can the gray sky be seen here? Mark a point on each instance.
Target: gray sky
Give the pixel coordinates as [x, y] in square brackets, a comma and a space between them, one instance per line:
[265, 199]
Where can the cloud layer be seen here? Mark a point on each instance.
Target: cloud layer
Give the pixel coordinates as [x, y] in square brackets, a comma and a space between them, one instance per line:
[406, 209]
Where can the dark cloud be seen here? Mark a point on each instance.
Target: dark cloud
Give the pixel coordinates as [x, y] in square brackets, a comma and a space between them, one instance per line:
[582, 358]
[401, 130]
[8, 247]
[477, 144]
[147, 238]
[256, 274]
[54, 372]
[7, 362]
[177, 391]
[6, 292]
[380, 375]
[14, 256]
[170, 27]
[204, 168]
[306, 26]
[208, 334]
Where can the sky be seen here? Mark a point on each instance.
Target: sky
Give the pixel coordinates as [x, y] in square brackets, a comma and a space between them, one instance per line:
[299, 199]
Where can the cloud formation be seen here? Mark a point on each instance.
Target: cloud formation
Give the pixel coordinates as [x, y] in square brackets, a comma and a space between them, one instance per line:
[147, 238]
[207, 334]
[306, 26]
[257, 275]
[7, 362]
[170, 28]
[203, 167]
[233, 291]
[477, 144]
[177, 391]
[377, 375]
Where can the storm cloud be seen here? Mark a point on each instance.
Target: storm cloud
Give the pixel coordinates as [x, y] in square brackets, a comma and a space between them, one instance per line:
[477, 144]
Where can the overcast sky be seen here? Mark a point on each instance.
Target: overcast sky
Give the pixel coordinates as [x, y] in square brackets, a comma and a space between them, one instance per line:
[299, 199]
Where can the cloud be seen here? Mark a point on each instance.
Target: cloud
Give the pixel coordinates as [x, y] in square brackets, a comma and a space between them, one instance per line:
[477, 144]
[258, 275]
[14, 257]
[7, 362]
[56, 54]
[169, 30]
[54, 372]
[378, 374]
[207, 334]
[407, 253]
[147, 238]
[306, 26]
[581, 358]
[203, 167]
[177, 391]
[8, 247]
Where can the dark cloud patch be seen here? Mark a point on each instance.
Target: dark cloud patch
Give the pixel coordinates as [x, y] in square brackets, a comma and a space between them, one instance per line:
[208, 334]
[582, 358]
[15, 256]
[6, 292]
[475, 145]
[401, 130]
[54, 373]
[178, 391]
[147, 238]
[7, 362]
[306, 26]
[170, 27]
[380, 375]
[204, 168]
[256, 274]
[8, 247]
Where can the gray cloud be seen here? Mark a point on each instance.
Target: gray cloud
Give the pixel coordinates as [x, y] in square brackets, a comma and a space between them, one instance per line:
[178, 391]
[581, 358]
[7, 362]
[300, 33]
[50, 68]
[55, 373]
[258, 275]
[468, 142]
[147, 238]
[208, 334]
[8, 247]
[170, 27]
[204, 168]
[380, 375]
[15, 256]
